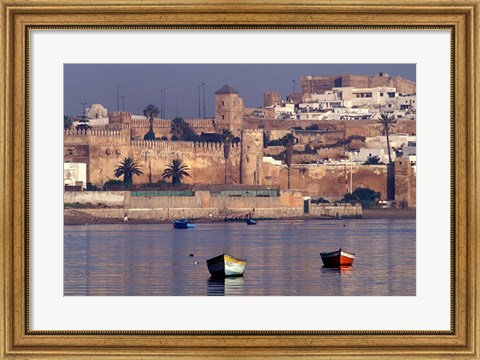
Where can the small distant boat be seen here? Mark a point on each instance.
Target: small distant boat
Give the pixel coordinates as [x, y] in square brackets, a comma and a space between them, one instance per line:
[183, 224]
[337, 258]
[251, 222]
[224, 265]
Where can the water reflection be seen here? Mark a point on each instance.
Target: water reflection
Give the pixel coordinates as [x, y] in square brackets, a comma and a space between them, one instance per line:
[345, 270]
[283, 258]
[226, 286]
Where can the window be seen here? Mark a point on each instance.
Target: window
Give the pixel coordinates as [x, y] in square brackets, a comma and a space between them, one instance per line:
[223, 117]
[223, 103]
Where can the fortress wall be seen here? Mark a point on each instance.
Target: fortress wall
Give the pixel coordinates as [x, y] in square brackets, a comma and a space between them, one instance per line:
[330, 153]
[405, 183]
[226, 202]
[329, 181]
[154, 202]
[109, 198]
[145, 123]
[343, 210]
[169, 214]
[349, 127]
[315, 136]
[205, 160]
[161, 127]
[95, 137]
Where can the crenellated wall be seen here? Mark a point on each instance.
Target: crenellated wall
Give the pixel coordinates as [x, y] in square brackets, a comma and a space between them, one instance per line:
[161, 127]
[102, 151]
[96, 137]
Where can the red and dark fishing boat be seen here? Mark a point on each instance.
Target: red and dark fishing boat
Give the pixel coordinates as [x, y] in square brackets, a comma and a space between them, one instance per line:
[337, 258]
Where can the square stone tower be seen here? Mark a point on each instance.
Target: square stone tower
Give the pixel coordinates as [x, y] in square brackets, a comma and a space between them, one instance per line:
[229, 110]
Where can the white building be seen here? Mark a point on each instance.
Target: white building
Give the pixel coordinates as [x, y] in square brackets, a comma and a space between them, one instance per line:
[96, 111]
[286, 111]
[75, 174]
[397, 141]
[366, 96]
[96, 115]
[363, 154]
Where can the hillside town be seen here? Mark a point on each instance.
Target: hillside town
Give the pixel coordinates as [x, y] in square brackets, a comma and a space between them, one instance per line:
[315, 152]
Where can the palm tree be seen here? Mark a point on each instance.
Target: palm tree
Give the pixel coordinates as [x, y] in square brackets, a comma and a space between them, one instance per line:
[288, 141]
[387, 122]
[176, 170]
[177, 128]
[150, 112]
[128, 167]
[227, 138]
[372, 160]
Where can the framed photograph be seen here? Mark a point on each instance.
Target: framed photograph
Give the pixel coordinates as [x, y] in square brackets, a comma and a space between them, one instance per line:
[239, 179]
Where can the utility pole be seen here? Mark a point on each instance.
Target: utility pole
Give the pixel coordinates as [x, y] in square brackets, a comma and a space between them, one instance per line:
[162, 103]
[123, 103]
[83, 109]
[118, 97]
[199, 114]
[351, 177]
[203, 84]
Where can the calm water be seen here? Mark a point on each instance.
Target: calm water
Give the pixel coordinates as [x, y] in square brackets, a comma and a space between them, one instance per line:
[283, 258]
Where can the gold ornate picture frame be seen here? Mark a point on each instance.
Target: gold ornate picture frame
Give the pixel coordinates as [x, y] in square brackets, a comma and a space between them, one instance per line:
[19, 17]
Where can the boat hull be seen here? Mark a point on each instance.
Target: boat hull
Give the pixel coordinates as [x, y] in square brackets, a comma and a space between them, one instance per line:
[226, 266]
[251, 222]
[337, 259]
[183, 224]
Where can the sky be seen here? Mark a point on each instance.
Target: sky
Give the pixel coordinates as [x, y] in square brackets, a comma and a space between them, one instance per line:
[142, 84]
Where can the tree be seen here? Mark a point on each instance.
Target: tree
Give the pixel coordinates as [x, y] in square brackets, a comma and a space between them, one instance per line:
[365, 196]
[67, 122]
[372, 160]
[227, 138]
[176, 170]
[180, 130]
[83, 124]
[128, 167]
[387, 122]
[151, 111]
[288, 141]
[177, 128]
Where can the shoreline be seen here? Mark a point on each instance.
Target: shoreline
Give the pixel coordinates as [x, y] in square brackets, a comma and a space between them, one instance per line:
[367, 214]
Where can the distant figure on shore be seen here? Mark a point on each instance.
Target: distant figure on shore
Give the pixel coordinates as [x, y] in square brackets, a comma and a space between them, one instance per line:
[210, 216]
[125, 218]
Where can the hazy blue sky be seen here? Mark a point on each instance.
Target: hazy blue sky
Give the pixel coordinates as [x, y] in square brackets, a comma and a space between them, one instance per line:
[142, 83]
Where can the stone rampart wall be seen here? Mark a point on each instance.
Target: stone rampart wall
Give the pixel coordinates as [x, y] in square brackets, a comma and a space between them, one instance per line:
[333, 181]
[108, 198]
[349, 127]
[169, 214]
[205, 160]
[224, 202]
[343, 210]
[96, 137]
